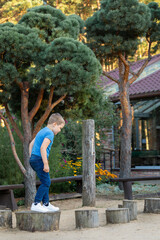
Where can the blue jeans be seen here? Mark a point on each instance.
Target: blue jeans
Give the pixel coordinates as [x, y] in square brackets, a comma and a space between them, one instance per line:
[43, 190]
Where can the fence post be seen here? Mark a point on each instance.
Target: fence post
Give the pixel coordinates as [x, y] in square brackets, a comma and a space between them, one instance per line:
[88, 154]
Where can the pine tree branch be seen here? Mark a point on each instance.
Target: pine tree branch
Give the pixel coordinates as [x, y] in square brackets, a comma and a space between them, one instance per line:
[110, 77]
[136, 75]
[58, 101]
[23, 170]
[37, 105]
[19, 134]
[46, 114]
[126, 64]
[51, 95]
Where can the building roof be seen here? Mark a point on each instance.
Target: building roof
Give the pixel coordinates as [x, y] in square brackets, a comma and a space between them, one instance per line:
[147, 85]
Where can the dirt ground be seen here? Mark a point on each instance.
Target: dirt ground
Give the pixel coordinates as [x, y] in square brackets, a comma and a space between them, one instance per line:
[146, 227]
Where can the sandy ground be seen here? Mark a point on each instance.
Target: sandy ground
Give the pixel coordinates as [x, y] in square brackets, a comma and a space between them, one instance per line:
[146, 227]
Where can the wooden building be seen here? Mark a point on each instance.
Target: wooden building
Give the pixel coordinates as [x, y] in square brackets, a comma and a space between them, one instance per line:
[145, 102]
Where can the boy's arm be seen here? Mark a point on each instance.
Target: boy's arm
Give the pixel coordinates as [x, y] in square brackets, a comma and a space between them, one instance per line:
[43, 150]
[31, 146]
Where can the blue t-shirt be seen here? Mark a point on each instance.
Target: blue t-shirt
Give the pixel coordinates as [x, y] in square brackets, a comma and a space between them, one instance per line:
[41, 135]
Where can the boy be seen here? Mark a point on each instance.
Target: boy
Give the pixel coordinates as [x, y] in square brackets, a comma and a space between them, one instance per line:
[39, 150]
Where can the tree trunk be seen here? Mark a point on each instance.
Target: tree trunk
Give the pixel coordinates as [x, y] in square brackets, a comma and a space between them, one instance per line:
[126, 129]
[57, 3]
[98, 4]
[29, 181]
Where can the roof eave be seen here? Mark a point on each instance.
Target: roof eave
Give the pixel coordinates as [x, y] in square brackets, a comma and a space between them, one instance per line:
[138, 96]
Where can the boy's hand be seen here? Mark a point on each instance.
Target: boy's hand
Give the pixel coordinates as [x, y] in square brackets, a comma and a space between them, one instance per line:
[46, 168]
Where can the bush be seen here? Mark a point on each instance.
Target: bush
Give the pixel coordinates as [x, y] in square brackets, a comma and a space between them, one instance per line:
[10, 173]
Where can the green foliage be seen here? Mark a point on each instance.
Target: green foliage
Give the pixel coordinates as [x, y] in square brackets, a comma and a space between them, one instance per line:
[66, 64]
[20, 203]
[9, 173]
[52, 23]
[19, 47]
[153, 32]
[117, 26]
[71, 64]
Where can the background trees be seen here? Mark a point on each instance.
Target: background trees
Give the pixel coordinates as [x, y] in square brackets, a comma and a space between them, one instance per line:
[115, 31]
[13, 10]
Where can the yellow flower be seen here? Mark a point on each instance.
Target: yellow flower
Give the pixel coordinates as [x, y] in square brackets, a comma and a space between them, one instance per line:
[97, 136]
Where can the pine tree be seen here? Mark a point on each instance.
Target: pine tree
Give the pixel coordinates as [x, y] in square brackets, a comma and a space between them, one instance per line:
[114, 31]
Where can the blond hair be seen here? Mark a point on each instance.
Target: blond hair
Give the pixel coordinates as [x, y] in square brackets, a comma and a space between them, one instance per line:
[56, 118]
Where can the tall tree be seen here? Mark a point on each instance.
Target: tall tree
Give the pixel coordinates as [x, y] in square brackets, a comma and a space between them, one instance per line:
[153, 33]
[114, 31]
[42, 63]
[12, 11]
[83, 8]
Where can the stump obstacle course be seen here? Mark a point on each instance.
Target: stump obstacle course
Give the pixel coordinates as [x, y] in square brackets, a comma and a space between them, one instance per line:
[85, 218]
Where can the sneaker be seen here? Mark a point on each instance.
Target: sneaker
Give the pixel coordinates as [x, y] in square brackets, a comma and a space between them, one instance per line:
[38, 208]
[51, 208]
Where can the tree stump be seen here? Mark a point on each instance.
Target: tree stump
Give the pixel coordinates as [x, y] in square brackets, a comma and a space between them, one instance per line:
[152, 205]
[87, 218]
[117, 215]
[36, 221]
[6, 218]
[132, 206]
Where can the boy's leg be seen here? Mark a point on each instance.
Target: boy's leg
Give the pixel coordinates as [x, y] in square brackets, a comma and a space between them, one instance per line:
[43, 190]
[37, 165]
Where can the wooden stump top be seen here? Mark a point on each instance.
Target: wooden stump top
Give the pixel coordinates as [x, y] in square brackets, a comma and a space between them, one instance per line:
[116, 209]
[131, 201]
[154, 199]
[39, 213]
[87, 210]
